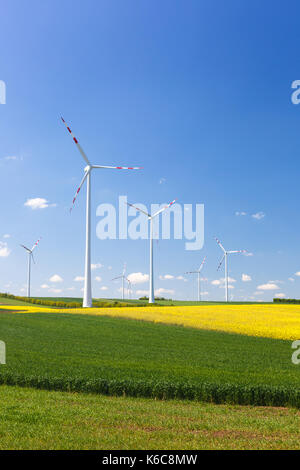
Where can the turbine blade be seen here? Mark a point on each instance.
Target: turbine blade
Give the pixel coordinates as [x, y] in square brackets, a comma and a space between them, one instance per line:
[36, 244]
[27, 249]
[220, 244]
[79, 187]
[118, 167]
[191, 272]
[118, 277]
[221, 262]
[141, 210]
[164, 208]
[32, 258]
[237, 251]
[201, 265]
[77, 143]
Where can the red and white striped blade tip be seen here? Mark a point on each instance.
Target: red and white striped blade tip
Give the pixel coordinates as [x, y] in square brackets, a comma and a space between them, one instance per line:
[128, 167]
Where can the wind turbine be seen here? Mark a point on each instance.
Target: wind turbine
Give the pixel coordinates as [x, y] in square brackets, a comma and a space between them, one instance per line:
[30, 255]
[151, 217]
[129, 288]
[87, 295]
[226, 253]
[199, 279]
[123, 277]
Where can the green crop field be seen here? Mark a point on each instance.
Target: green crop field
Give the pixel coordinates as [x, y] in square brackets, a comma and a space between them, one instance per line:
[5, 301]
[39, 419]
[69, 300]
[116, 356]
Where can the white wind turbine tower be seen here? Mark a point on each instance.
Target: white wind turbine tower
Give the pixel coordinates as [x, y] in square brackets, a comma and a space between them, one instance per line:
[129, 288]
[87, 295]
[30, 255]
[151, 217]
[199, 278]
[226, 253]
[123, 277]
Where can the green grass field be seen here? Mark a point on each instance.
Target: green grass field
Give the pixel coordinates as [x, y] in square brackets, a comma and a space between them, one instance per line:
[116, 356]
[38, 419]
[6, 301]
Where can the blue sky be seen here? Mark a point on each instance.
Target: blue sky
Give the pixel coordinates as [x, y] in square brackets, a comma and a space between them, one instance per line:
[196, 92]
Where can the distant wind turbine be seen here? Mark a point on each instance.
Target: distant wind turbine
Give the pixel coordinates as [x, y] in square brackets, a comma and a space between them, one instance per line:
[151, 217]
[87, 295]
[123, 277]
[129, 288]
[30, 255]
[226, 253]
[199, 278]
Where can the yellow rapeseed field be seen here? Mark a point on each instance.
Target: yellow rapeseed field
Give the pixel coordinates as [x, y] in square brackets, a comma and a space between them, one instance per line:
[270, 321]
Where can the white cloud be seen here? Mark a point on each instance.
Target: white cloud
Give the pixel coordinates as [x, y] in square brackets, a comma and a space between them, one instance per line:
[162, 180]
[6, 235]
[162, 291]
[291, 279]
[4, 250]
[240, 213]
[246, 278]
[268, 286]
[55, 291]
[10, 157]
[98, 278]
[297, 273]
[79, 278]
[103, 288]
[38, 203]
[138, 278]
[221, 282]
[45, 286]
[96, 266]
[259, 215]
[281, 295]
[142, 292]
[168, 277]
[56, 278]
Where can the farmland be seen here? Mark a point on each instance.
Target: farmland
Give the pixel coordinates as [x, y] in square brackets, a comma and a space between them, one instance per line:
[262, 320]
[116, 356]
[40, 419]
